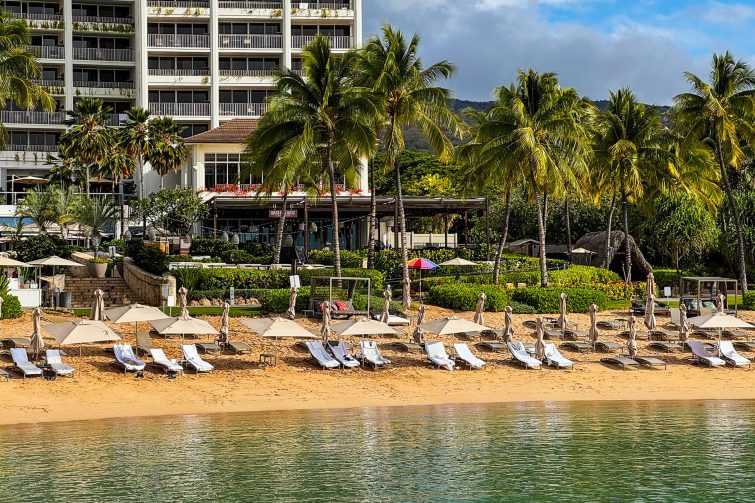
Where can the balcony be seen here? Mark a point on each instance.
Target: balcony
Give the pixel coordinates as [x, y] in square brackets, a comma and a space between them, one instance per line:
[178, 72]
[31, 117]
[182, 109]
[243, 109]
[180, 4]
[97, 20]
[30, 148]
[246, 73]
[49, 83]
[37, 17]
[47, 51]
[321, 5]
[96, 84]
[95, 54]
[340, 42]
[178, 41]
[225, 4]
[250, 41]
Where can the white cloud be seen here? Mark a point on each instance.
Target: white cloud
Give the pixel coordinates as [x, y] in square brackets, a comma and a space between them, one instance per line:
[734, 14]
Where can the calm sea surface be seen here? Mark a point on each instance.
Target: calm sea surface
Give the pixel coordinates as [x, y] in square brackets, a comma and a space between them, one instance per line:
[701, 451]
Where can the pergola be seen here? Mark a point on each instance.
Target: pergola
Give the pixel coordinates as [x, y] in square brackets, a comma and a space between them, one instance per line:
[699, 288]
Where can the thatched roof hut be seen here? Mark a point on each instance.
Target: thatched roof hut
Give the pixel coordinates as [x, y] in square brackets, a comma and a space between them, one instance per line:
[596, 242]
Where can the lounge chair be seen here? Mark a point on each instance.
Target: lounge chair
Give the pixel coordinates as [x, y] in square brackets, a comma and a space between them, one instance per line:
[640, 336]
[393, 320]
[650, 362]
[492, 346]
[208, 347]
[4, 375]
[341, 353]
[436, 354]
[317, 350]
[702, 355]
[237, 348]
[582, 347]
[407, 346]
[162, 361]
[668, 347]
[125, 356]
[737, 334]
[744, 345]
[551, 334]
[554, 357]
[608, 346]
[143, 342]
[621, 361]
[371, 354]
[55, 362]
[470, 336]
[662, 335]
[21, 363]
[464, 355]
[16, 342]
[192, 359]
[521, 356]
[728, 353]
[575, 334]
[611, 324]
[705, 333]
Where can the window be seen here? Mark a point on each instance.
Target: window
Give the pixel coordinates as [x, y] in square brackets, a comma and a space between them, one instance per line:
[220, 169]
[193, 129]
[243, 96]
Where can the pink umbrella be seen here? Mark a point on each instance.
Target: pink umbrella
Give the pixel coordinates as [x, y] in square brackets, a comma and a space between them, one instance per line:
[421, 264]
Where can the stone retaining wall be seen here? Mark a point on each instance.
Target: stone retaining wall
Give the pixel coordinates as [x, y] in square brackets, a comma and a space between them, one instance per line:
[83, 259]
[146, 286]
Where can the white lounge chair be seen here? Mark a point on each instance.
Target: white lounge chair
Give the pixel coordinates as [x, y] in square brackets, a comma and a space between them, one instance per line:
[21, 362]
[554, 357]
[371, 354]
[317, 350]
[520, 355]
[436, 353]
[192, 358]
[55, 361]
[464, 354]
[125, 356]
[728, 353]
[159, 359]
[338, 348]
[702, 355]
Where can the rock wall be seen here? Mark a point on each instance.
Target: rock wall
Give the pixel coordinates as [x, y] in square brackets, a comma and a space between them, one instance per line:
[146, 286]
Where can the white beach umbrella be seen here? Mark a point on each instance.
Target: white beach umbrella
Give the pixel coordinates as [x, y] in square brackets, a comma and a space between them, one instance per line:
[478, 316]
[134, 313]
[81, 332]
[718, 321]
[361, 327]
[291, 313]
[277, 327]
[650, 312]
[9, 262]
[508, 325]
[458, 262]
[98, 311]
[452, 325]
[55, 261]
[563, 320]
[183, 325]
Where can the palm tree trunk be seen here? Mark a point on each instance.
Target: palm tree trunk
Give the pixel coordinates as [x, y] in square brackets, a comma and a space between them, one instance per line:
[402, 230]
[608, 233]
[162, 182]
[87, 182]
[502, 242]
[627, 246]
[568, 225]
[741, 261]
[372, 216]
[140, 167]
[541, 206]
[279, 232]
[334, 204]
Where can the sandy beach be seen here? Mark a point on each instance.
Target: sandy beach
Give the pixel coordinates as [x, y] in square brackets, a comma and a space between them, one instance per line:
[101, 390]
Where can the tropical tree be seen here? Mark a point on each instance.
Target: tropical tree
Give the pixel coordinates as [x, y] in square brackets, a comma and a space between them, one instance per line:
[117, 165]
[174, 210]
[168, 150]
[37, 207]
[319, 123]
[89, 137]
[392, 68]
[62, 203]
[135, 138]
[66, 170]
[95, 214]
[720, 113]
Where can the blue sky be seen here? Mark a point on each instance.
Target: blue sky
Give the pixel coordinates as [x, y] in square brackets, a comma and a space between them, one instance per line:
[594, 45]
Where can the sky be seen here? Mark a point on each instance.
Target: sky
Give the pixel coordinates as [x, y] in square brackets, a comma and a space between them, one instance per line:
[594, 45]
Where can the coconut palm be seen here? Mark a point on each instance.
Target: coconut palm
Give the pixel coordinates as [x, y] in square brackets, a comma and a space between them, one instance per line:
[135, 138]
[117, 165]
[720, 114]
[66, 170]
[408, 97]
[167, 151]
[37, 207]
[319, 124]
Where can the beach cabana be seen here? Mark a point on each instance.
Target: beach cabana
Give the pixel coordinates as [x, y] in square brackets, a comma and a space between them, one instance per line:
[81, 332]
[614, 247]
[277, 328]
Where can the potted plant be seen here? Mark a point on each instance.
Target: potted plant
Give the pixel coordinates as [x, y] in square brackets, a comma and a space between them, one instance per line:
[97, 267]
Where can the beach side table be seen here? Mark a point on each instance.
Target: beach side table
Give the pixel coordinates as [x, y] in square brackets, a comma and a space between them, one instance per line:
[268, 360]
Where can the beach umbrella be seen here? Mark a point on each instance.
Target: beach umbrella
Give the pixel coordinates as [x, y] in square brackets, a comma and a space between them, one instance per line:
[291, 313]
[98, 311]
[37, 344]
[183, 325]
[452, 325]
[650, 286]
[406, 292]
[457, 262]
[386, 313]
[134, 313]
[183, 302]
[419, 335]
[540, 344]
[593, 333]
[325, 328]
[362, 326]
[683, 327]
[562, 318]
[81, 332]
[224, 323]
[632, 346]
[718, 321]
[650, 312]
[508, 325]
[54, 262]
[9, 262]
[421, 264]
[277, 327]
[478, 317]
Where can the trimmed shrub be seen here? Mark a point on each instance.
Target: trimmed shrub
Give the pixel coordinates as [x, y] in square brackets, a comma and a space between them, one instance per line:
[519, 308]
[748, 300]
[234, 256]
[325, 257]
[581, 275]
[546, 300]
[210, 246]
[148, 258]
[42, 246]
[276, 301]
[11, 307]
[669, 277]
[376, 277]
[618, 290]
[464, 297]
[223, 278]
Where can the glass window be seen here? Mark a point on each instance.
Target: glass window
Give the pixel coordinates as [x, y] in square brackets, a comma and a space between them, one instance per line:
[200, 97]
[167, 96]
[107, 11]
[200, 29]
[225, 63]
[226, 96]
[238, 64]
[153, 63]
[153, 29]
[154, 96]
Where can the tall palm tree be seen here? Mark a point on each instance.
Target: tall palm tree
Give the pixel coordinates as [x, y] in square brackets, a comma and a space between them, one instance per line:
[117, 165]
[320, 124]
[66, 170]
[136, 139]
[62, 203]
[408, 96]
[88, 137]
[168, 150]
[19, 68]
[720, 114]
[37, 207]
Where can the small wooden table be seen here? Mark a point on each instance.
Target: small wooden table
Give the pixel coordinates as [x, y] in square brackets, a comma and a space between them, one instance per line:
[268, 360]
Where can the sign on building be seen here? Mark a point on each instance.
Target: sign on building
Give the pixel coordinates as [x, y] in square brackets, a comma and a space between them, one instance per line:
[279, 213]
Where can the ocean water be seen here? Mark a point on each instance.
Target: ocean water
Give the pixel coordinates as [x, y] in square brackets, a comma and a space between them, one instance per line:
[645, 451]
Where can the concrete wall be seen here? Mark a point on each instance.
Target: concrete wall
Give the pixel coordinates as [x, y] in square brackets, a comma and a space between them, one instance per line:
[146, 286]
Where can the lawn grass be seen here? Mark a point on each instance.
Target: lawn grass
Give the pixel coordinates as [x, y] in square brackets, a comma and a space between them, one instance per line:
[235, 312]
[618, 304]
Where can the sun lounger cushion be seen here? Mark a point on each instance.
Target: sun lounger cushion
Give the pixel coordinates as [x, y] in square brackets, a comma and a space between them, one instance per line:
[317, 350]
[464, 354]
[126, 357]
[436, 353]
[55, 362]
[554, 357]
[192, 358]
[159, 358]
[371, 354]
[339, 350]
[729, 354]
[22, 363]
[698, 349]
[519, 353]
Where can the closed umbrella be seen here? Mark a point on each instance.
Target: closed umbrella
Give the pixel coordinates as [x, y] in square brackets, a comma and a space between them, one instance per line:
[224, 323]
[540, 344]
[362, 326]
[325, 329]
[291, 313]
[593, 333]
[632, 346]
[98, 311]
[478, 316]
[419, 335]
[37, 343]
[650, 286]
[508, 325]
[386, 313]
[277, 328]
[452, 325]
[720, 303]
[562, 318]
[683, 327]
[183, 302]
[81, 332]
[650, 312]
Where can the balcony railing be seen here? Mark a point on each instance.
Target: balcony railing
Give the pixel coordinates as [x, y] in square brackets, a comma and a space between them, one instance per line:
[178, 72]
[321, 5]
[246, 73]
[243, 109]
[339, 42]
[184, 109]
[95, 54]
[103, 85]
[225, 4]
[251, 41]
[31, 117]
[30, 148]
[49, 83]
[47, 51]
[103, 20]
[37, 17]
[188, 41]
[179, 4]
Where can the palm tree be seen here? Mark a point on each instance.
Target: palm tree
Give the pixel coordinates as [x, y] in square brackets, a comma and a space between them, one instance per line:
[319, 124]
[19, 68]
[66, 170]
[62, 203]
[117, 165]
[135, 137]
[95, 214]
[720, 113]
[88, 137]
[392, 68]
[168, 150]
[37, 207]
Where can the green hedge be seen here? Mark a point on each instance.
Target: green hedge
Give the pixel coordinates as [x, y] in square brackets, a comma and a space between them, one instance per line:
[748, 300]
[464, 297]
[148, 258]
[11, 307]
[581, 275]
[325, 257]
[546, 300]
[668, 277]
[224, 278]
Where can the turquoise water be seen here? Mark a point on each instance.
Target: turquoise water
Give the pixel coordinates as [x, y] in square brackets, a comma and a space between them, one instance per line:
[524, 452]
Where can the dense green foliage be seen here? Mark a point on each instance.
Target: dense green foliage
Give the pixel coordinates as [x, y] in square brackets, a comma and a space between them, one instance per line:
[149, 258]
[748, 300]
[669, 277]
[41, 246]
[223, 278]
[546, 300]
[176, 210]
[325, 257]
[463, 297]
[11, 307]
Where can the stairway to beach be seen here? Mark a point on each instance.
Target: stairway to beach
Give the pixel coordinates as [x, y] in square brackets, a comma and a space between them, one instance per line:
[117, 293]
